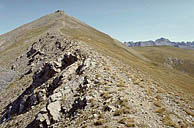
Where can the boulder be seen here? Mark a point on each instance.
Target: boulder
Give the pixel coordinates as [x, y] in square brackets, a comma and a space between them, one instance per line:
[43, 117]
[87, 63]
[54, 109]
[56, 66]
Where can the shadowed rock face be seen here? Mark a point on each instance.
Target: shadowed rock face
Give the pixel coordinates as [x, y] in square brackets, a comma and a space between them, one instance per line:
[161, 42]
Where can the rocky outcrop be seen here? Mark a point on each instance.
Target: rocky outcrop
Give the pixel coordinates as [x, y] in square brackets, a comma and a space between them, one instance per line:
[183, 65]
[173, 61]
[55, 64]
[161, 42]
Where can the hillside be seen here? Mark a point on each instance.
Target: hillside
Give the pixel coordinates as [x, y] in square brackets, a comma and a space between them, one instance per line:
[174, 65]
[72, 75]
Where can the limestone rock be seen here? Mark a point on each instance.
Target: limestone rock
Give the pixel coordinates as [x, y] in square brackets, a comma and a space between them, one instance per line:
[43, 117]
[54, 109]
[56, 97]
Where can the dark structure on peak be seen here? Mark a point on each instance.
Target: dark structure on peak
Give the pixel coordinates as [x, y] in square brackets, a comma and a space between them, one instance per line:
[60, 12]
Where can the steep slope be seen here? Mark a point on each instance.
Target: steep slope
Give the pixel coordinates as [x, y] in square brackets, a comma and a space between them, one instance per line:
[174, 65]
[176, 58]
[14, 43]
[110, 47]
[72, 75]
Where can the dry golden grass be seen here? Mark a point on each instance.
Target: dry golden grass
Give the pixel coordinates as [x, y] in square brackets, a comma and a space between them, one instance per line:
[193, 123]
[137, 81]
[158, 103]
[122, 102]
[189, 112]
[106, 96]
[122, 121]
[158, 97]
[121, 84]
[106, 126]
[171, 77]
[128, 122]
[101, 115]
[166, 117]
[99, 122]
[118, 112]
[93, 102]
[9, 54]
[160, 111]
[168, 122]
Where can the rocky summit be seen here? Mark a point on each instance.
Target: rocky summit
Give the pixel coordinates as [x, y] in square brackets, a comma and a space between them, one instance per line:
[63, 73]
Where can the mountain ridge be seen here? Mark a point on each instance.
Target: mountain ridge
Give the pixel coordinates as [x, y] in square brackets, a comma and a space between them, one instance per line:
[72, 75]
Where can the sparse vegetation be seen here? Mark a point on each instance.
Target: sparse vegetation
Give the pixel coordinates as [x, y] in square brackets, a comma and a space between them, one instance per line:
[9, 54]
[118, 112]
[168, 121]
[160, 111]
[122, 102]
[106, 96]
[128, 122]
[189, 112]
[99, 122]
[109, 94]
[121, 83]
[158, 103]
[136, 81]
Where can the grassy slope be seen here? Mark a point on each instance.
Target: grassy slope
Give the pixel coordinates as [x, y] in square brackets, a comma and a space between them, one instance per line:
[158, 55]
[170, 79]
[174, 76]
[9, 54]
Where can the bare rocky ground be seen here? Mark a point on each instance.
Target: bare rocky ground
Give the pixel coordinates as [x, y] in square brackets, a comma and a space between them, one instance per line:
[66, 83]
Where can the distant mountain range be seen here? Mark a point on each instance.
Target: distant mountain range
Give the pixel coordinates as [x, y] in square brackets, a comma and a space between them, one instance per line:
[161, 42]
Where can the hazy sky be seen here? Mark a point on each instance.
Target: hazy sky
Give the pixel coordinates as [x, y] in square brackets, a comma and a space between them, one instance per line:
[122, 19]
